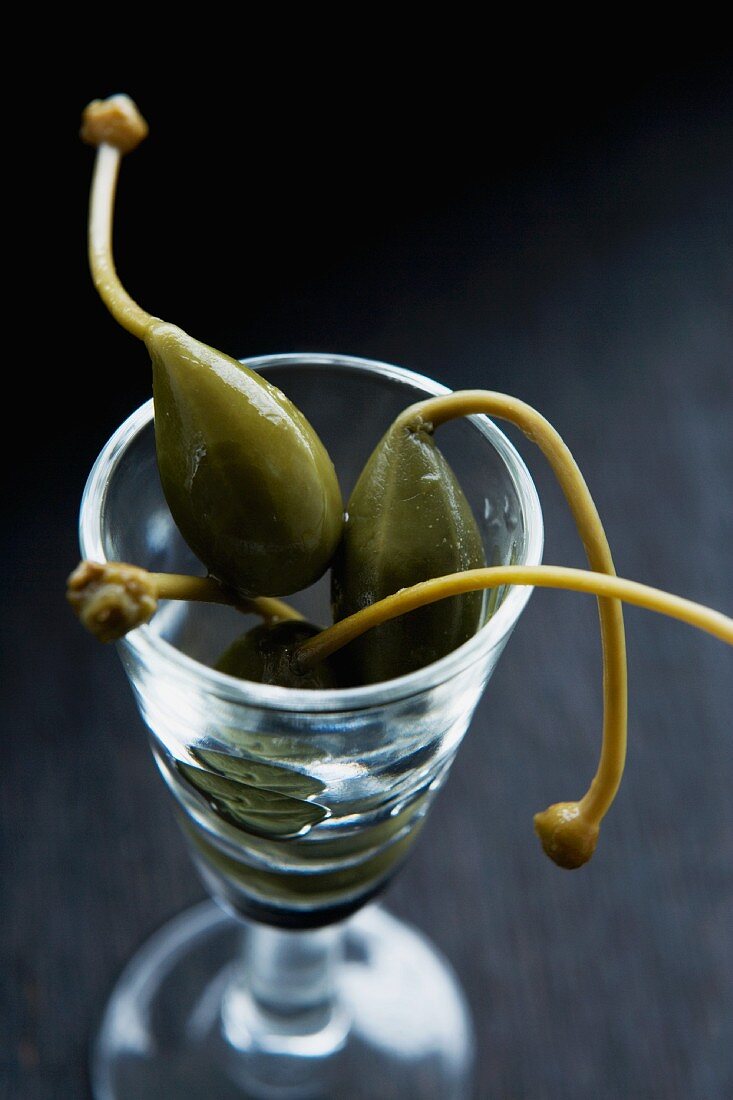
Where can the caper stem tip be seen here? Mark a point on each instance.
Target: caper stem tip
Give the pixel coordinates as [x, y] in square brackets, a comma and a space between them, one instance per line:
[114, 121]
[111, 598]
[567, 834]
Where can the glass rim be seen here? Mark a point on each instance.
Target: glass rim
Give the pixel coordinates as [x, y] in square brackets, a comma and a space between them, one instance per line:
[148, 646]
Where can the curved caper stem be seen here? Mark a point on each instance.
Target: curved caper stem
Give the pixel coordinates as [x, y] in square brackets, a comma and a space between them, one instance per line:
[112, 598]
[568, 830]
[334, 637]
[115, 126]
[604, 785]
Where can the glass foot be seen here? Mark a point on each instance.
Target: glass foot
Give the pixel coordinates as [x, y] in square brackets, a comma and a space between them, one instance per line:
[180, 1023]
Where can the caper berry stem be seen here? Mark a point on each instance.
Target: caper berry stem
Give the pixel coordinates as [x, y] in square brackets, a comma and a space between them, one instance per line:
[335, 637]
[115, 126]
[111, 598]
[181, 586]
[438, 410]
[568, 830]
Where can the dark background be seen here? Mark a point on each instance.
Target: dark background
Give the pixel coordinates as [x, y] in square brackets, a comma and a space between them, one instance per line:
[555, 226]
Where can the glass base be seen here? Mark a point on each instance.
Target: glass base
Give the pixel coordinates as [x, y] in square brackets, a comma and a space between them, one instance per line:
[177, 1025]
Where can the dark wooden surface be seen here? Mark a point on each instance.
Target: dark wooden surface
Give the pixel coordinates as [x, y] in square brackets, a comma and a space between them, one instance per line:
[596, 284]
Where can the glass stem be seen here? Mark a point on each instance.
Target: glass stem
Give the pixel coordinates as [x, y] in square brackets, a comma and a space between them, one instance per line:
[282, 1001]
[292, 973]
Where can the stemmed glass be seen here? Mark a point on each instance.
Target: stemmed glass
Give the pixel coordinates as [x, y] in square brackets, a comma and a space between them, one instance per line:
[298, 806]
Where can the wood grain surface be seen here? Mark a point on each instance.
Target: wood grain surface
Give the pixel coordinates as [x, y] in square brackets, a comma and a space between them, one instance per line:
[598, 287]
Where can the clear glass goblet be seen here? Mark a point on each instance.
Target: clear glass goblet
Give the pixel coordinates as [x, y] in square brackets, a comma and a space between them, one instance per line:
[298, 806]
